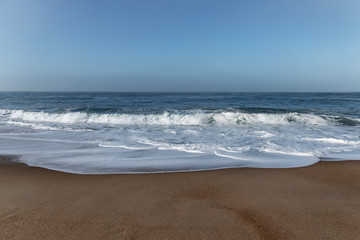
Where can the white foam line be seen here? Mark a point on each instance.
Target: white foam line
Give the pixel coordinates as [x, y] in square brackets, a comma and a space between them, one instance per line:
[288, 153]
[181, 149]
[44, 140]
[228, 156]
[333, 141]
[123, 146]
[227, 150]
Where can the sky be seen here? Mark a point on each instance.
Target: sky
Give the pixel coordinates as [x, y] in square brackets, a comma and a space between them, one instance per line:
[180, 45]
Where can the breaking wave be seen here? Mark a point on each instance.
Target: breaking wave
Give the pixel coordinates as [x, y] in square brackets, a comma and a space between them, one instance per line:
[193, 118]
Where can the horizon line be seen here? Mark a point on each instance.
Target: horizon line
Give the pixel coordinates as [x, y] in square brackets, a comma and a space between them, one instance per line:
[67, 91]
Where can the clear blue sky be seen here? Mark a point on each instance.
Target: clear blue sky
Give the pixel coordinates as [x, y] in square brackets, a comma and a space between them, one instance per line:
[180, 45]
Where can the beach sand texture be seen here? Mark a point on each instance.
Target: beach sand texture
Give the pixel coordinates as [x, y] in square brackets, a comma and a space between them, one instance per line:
[316, 202]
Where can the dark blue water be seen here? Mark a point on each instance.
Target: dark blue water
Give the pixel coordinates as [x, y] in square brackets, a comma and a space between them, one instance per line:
[344, 104]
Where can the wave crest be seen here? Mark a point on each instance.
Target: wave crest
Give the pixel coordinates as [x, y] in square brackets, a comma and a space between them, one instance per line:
[197, 118]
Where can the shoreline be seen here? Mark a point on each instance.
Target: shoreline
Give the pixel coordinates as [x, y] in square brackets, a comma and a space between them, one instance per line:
[321, 201]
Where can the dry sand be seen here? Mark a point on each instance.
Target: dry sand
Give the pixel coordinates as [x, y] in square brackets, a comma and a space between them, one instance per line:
[317, 202]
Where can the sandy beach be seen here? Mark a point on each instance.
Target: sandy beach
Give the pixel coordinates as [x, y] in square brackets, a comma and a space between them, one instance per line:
[316, 202]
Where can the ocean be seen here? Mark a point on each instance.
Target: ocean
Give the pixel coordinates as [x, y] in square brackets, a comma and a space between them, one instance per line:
[103, 133]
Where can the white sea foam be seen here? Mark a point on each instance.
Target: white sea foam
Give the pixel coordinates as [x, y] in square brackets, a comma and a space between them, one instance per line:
[68, 118]
[31, 125]
[186, 119]
[287, 153]
[123, 146]
[334, 141]
[174, 141]
[90, 159]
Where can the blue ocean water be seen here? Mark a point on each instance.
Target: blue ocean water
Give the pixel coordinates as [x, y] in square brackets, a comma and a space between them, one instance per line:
[100, 133]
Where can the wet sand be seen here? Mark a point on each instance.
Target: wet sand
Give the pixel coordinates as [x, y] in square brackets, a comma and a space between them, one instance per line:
[316, 202]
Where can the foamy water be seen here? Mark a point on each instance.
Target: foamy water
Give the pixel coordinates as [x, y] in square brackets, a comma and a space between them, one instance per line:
[143, 133]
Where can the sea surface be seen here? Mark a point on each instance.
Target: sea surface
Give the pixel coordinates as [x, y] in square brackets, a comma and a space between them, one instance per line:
[99, 133]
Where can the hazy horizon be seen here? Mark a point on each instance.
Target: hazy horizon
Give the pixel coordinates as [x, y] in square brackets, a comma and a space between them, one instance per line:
[183, 92]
